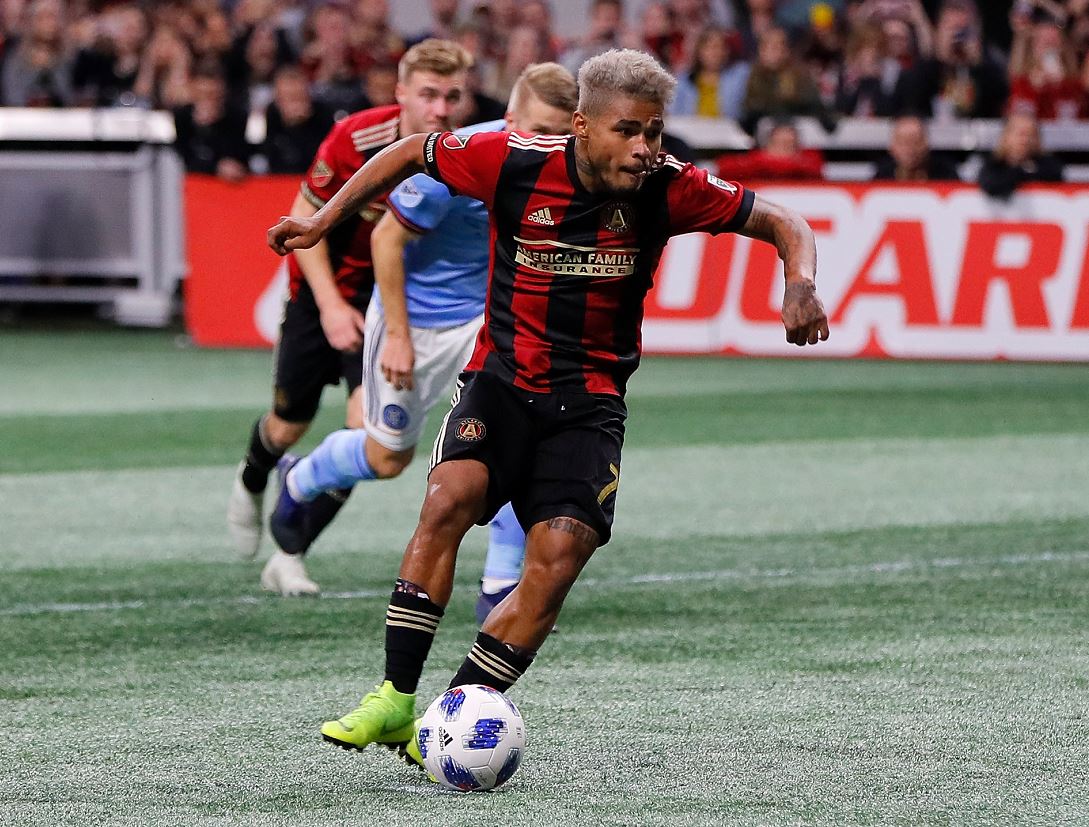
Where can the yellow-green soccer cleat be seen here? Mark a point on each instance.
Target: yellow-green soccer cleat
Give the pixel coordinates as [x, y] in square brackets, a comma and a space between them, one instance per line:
[384, 716]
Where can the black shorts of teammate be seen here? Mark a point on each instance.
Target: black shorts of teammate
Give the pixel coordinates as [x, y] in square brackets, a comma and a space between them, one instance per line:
[548, 454]
[306, 362]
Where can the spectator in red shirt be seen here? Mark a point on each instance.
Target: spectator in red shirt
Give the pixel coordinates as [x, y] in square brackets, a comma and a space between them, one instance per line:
[780, 158]
[1043, 72]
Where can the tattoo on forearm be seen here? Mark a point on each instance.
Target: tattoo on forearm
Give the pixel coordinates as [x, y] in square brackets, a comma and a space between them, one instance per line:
[788, 233]
[569, 525]
[354, 201]
[760, 225]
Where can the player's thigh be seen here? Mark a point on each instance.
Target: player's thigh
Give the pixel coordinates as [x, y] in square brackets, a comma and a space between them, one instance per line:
[305, 363]
[441, 354]
[576, 466]
[489, 422]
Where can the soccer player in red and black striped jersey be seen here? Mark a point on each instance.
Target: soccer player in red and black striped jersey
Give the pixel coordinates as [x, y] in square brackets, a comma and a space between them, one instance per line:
[330, 287]
[578, 224]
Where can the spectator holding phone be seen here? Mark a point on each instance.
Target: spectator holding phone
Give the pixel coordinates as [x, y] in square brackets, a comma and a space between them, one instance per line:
[1043, 70]
[867, 80]
[960, 80]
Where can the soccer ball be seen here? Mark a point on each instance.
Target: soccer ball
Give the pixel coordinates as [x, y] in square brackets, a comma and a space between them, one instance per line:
[472, 738]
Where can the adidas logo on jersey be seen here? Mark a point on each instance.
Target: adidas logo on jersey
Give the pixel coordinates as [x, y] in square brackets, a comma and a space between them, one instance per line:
[542, 216]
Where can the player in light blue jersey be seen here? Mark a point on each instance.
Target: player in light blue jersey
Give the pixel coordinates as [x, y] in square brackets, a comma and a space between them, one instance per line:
[431, 253]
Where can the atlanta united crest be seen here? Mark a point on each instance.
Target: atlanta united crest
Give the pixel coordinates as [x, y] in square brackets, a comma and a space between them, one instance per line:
[616, 217]
[453, 141]
[322, 174]
[470, 430]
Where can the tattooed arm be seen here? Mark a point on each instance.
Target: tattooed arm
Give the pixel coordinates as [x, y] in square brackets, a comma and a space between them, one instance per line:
[378, 176]
[803, 312]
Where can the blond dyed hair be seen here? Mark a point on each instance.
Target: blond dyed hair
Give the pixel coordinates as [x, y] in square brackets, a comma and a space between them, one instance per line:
[623, 72]
[443, 57]
[550, 83]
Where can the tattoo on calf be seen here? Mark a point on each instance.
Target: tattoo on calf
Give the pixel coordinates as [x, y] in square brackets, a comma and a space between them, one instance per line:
[571, 526]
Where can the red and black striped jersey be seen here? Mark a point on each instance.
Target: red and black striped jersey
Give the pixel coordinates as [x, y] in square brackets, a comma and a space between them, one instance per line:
[570, 269]
[345, 149]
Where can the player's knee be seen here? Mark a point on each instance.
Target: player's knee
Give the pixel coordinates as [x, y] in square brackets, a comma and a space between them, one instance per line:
[387, 463]
[552, 577]
[391, 464]
[450, 506]
[283, 434]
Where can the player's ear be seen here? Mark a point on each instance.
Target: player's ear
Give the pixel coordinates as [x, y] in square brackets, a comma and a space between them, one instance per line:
[579, 125]
[399, 93]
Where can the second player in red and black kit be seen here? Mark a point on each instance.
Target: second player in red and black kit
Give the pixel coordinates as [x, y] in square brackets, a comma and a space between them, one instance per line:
[321, 332]
[570, 271]
[306, 360]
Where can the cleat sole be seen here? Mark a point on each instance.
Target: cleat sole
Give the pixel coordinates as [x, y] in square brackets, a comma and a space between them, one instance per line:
[395, 746]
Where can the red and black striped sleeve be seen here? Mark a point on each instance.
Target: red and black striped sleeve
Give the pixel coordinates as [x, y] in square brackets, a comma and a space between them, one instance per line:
[467, 164]
[700, 202]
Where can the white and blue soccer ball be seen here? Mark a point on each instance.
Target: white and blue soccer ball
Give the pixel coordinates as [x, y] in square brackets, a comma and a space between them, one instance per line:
[472, 738]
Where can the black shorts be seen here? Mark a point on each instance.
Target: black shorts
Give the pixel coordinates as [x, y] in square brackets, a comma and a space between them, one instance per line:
[306, 362]
[548, 454]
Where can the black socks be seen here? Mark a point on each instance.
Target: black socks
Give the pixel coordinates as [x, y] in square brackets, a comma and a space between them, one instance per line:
[260, 460]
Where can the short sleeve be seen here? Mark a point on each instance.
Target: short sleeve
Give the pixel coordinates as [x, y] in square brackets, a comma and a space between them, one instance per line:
[700, 202]
[420, 203]
[467, 164]
[335, 162]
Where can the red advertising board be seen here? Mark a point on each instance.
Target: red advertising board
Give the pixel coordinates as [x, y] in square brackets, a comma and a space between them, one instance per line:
[905, 271]
[236, 284]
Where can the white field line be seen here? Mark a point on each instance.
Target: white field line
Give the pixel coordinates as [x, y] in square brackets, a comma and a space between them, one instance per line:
[889, 567]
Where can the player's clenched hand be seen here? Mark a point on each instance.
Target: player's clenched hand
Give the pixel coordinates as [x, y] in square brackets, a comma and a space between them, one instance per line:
[294, 234]
[803, 313]
[397, 360]
[343, 326]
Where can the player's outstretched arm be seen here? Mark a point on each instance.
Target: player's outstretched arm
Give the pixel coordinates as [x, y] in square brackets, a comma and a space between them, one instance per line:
[803, 312]
[378, 176]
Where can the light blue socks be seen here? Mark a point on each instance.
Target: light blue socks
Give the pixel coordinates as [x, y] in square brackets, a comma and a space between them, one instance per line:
[339, 462]
[506, 550]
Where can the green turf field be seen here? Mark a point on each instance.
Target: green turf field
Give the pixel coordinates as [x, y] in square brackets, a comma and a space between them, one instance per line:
[838, 593]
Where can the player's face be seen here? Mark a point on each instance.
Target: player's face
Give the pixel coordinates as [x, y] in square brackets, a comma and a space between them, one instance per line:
[621, 143]
[428, 101]
[535, 116]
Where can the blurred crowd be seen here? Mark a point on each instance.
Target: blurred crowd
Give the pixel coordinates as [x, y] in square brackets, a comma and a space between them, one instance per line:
[304, 63]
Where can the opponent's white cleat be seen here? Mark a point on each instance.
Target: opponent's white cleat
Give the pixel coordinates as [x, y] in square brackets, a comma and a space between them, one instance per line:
[244, 517]
[286, 574]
